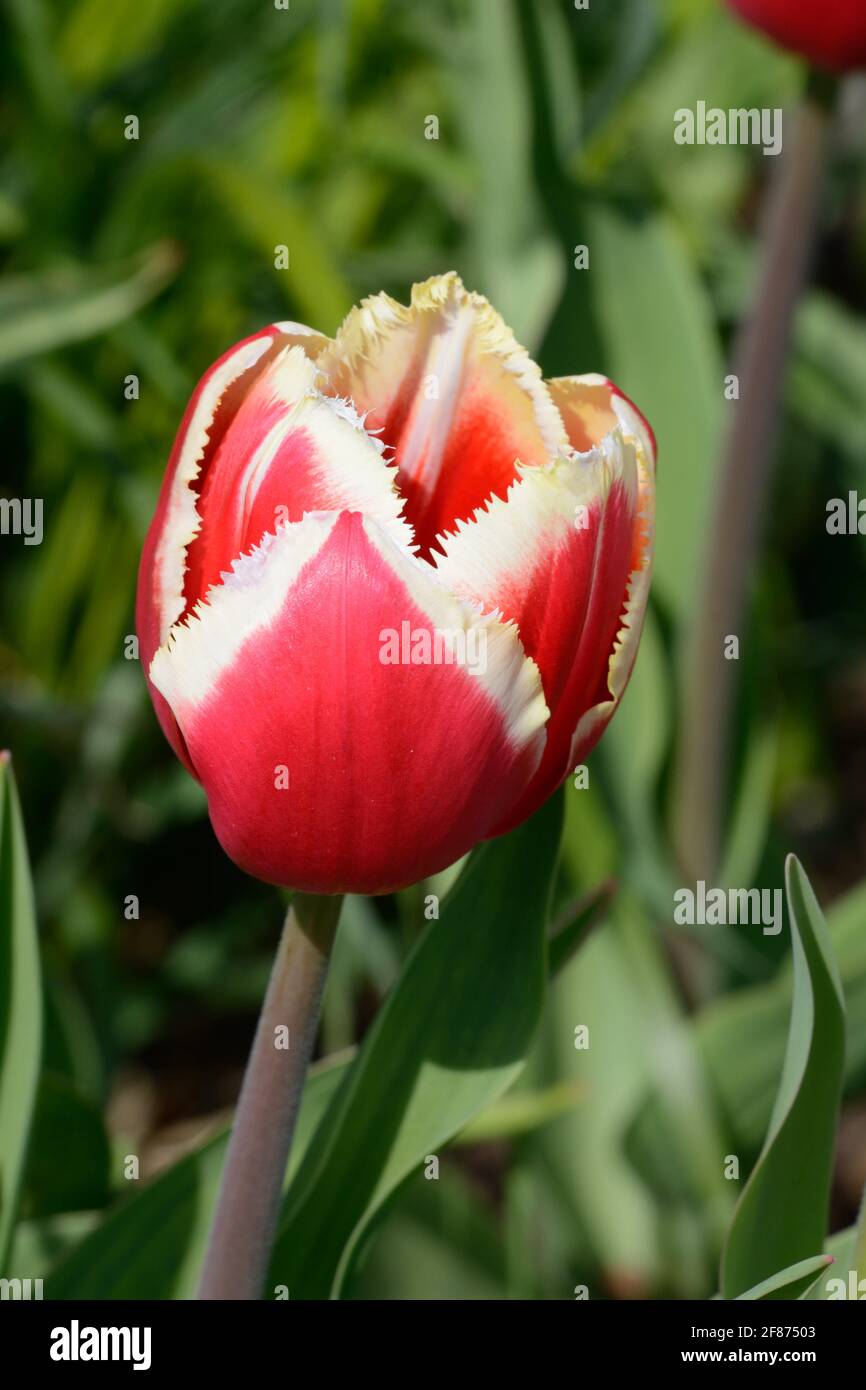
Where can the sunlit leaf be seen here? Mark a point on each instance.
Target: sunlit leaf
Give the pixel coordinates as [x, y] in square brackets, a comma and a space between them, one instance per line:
[450, 1038]
[20, 1004]
[782, 1213]
[48, 309]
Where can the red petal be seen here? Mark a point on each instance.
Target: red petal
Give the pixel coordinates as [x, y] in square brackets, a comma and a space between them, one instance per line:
[211, 409]
[288, 451]
[557, 558]
[394, 770]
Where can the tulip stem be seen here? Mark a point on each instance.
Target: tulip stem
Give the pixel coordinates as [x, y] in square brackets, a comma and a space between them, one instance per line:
[248, 1205]
[759, 357]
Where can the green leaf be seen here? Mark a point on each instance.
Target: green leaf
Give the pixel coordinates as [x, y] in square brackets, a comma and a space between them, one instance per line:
[847, 1249]
[571, 930]
[788, 1281]
[522, 1112]
[515, 256]
[70, 1159]
[859, 1261]
[39, 1244]
[46, 310]
[440, 1243]
[101, 37]
[451, 1037]
[645, 290]
[742, 1036]
[151, 1246]
[828, 374]
[741, 1042]
[20, 1004]
[782, 1213]
[843, 1283]
[640, 1036]
[602, 1198]
[631, 759]
[747, 833]
[267, 216]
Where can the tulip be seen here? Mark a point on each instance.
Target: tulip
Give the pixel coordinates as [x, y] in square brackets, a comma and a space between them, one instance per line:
[391, 596]
[831, 34]
[393, 589]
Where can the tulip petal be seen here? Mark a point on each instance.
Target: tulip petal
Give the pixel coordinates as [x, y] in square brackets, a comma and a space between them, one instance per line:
[591, 406]
[288, 451]
[160, 598]
[575, 396]
[393, 769]
[452, 393]
[593, 723]
[558, 558]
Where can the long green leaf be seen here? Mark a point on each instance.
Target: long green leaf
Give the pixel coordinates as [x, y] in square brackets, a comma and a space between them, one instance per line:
[790, 1279]
[101, 37]
[741, 1037]
[66, 1122]
[514, 253]
[451, 1037]
[151, 1245]
[522, 1112]
[840, 1282]
[44, 311]
[781, 1217]
[20, 1004]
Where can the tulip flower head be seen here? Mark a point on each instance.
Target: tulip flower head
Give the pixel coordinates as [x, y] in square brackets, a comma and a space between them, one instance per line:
[393, 589]
[831, 34]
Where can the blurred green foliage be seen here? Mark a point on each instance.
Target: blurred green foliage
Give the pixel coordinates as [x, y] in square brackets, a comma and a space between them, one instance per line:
[306, 127]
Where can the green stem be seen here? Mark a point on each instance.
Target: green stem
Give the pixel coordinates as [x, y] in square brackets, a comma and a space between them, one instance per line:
[759, 357]
[248, 1205]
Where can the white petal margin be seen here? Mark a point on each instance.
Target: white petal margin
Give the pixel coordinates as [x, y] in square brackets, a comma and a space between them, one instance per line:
[501, 546]
[622, 657]
[625, 648]
[634, 425]
[182, 520]
[310, 339]
[350, 463]
[599, 407]
[189, 665]
[510, 677]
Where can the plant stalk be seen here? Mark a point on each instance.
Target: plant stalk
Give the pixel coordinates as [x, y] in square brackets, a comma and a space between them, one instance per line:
[759, 356]
[247, 1209]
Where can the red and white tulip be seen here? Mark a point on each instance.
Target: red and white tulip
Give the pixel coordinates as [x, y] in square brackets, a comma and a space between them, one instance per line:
[413, 476]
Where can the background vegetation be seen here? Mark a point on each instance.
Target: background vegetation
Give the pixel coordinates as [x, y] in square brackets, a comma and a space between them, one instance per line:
[305, 126]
